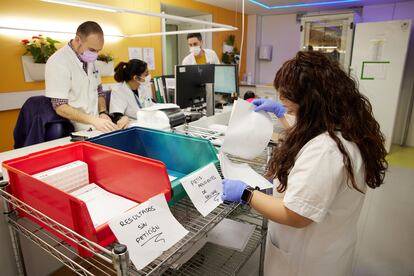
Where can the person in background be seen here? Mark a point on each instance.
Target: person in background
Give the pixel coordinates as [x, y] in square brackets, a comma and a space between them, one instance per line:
[132, 93]
[199, 55]
[73, 84]
[249, 96]
[321, 169]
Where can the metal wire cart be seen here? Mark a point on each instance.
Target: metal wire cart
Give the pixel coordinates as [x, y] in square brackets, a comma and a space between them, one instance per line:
[114, 259]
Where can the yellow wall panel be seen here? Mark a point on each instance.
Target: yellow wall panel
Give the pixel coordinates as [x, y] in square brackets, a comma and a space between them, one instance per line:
[7, 122]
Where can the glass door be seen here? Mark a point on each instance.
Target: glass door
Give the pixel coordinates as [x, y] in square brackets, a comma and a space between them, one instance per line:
[331, 35]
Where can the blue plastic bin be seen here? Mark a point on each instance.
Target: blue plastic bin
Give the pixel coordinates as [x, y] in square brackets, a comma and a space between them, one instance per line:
[181, 154]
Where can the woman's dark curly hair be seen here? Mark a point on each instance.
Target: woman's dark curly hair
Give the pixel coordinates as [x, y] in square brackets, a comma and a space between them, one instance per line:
[328, 100]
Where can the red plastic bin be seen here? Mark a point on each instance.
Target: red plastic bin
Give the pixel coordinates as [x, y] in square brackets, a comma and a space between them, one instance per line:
[131, 176]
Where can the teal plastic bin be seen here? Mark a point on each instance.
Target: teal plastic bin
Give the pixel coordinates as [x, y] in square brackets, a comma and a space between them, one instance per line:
[181, 154]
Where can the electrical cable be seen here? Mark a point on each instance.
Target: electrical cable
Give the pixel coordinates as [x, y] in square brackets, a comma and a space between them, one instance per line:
[242, 38]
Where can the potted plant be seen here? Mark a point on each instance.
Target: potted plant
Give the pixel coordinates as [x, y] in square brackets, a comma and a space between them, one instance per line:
[228, 45]
[39, 49]
[231, 57]
[105, 65]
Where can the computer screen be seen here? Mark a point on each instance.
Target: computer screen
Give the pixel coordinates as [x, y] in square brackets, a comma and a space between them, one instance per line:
[190, 87]
[225, 79]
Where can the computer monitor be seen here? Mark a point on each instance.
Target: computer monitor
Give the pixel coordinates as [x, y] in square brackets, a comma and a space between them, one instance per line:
[192, 84]
[226, 79]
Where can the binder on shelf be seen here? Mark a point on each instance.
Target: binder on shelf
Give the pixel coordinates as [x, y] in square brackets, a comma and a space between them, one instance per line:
[158, 96]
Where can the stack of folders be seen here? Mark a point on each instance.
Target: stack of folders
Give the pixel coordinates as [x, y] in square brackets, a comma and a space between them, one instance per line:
[73, 178]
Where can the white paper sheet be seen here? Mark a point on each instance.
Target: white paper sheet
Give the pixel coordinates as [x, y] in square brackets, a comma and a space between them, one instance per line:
[204, 187]
[232, 234]
[148, 230]
[170, 83]
[135, 53]
[148, 57]
[87, 133]
[242, 172]
[160, 107]
[102, 205]
[248, 132]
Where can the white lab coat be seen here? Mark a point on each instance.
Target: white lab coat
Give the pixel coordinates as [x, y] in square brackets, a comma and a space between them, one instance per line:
[211, 58]
[66, 79]
[124, 101]
[317, 190]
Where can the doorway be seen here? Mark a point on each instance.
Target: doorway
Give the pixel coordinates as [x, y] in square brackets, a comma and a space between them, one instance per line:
[176, 47]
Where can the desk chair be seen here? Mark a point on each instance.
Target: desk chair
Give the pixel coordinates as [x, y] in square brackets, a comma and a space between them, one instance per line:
[38, 122]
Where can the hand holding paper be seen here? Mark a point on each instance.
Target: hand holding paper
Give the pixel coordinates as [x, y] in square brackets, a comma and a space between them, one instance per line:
[233, 190]
[269, 106]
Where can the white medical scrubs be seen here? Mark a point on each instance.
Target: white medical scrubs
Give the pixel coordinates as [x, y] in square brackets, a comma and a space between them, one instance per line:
[66, 79]
[317, 189]
[124, 101]
[211, 58]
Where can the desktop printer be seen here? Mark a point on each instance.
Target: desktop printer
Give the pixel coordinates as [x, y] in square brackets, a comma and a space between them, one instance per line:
[160, 116]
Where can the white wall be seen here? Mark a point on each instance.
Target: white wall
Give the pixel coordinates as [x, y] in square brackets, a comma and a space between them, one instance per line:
[401, 10]
[251, 57]
[283, 33]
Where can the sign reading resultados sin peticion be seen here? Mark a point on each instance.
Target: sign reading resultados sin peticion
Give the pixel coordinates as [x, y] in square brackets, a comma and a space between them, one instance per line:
[147, 230]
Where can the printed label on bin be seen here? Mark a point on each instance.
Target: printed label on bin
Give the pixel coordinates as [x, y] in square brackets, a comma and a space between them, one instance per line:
[204, 187]
[147, 230]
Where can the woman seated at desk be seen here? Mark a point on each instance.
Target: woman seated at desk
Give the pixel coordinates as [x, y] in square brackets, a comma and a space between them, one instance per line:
[132, 93]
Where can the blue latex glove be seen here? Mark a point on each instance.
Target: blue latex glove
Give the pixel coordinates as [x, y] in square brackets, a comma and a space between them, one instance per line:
[269, 106]
[233, 190]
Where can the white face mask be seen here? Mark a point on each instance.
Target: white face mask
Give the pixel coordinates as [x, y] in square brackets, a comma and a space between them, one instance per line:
[147, 79]
[195, 50]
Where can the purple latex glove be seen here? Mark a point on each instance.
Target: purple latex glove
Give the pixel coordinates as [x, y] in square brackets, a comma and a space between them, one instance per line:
[269, 106]
[233, 190]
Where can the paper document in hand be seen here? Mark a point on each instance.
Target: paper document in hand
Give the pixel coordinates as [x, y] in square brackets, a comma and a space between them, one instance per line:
[102, 205]
[147, 230]
[204, 187]
[232, 234]
[248, 132]
[242, 172]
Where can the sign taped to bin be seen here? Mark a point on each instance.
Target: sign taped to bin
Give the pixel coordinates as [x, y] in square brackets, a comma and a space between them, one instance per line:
[148, 230]
[204, 187]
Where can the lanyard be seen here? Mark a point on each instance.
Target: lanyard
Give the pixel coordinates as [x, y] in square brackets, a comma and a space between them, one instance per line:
[137, 99]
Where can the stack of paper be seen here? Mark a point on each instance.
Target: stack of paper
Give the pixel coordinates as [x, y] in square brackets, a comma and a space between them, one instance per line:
[102, 205]
[231, 234]
[66, 177]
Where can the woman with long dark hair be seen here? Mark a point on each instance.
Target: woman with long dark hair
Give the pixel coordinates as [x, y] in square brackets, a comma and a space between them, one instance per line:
[321, 169]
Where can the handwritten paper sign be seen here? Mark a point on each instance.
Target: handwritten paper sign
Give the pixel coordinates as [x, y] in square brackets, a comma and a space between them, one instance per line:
[204, 187]
[147, 230]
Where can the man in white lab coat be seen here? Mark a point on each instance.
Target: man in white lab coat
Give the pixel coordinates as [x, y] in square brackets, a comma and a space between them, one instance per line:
[199, 55]
[73, 83]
